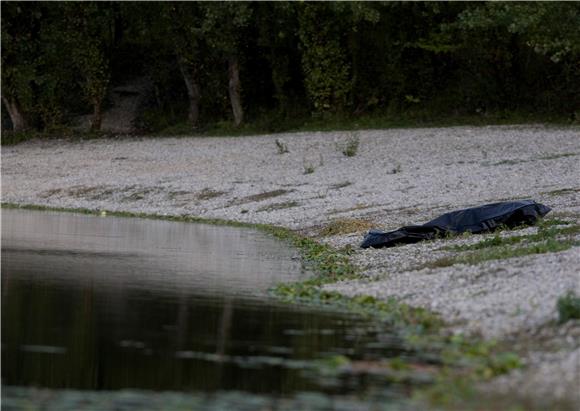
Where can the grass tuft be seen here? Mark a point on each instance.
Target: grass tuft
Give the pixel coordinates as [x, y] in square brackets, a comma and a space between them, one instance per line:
[568, 307]
[350, 148]
[281, 147]
[550, 238]
[345, 226]
[308, 168]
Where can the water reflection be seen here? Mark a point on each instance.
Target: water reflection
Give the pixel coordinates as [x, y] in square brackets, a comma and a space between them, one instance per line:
[95, 303]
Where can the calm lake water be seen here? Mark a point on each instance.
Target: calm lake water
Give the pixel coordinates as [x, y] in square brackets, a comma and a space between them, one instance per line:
[118, 313]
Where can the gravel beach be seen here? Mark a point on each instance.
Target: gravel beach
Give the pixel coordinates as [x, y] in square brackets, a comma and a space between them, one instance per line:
[397, 177]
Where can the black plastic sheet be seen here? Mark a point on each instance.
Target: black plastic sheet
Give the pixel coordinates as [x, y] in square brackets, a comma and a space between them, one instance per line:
[475, 220]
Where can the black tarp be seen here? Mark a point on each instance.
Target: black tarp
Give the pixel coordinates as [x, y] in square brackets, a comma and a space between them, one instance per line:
[475, 220]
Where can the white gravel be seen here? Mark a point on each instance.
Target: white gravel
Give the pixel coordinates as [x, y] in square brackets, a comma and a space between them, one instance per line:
[398, 177]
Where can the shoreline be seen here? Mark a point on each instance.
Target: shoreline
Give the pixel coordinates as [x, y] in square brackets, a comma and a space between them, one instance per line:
[245, 179]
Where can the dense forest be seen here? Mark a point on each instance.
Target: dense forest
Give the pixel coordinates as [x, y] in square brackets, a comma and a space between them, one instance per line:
[279, 62]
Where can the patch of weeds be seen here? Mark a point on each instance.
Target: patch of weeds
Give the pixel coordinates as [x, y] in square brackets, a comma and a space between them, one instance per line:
[390, 311]
[548, 230]
[279, 206]
[488, 362]
[50, 193]
[338, 186]
[281, 147]
[396, 169]
[10, 138]
[508, 162]
[551, 237]
[568, 307]
[91, 193]
[467, 361]
[208, 194]
[308, 168]
[179, 194]
[345, 226]
[452, 359]
[562, 191]
[556, 156]
[495, 252]
[519, 161]
[549, 222]
[139, 194]
[350, 147]
[440, 263]
[356, 207]
[265, 196]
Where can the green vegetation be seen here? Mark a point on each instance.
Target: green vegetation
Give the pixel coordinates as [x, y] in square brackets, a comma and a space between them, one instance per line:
[562, 191]
[265, 196]
[281, 147]
[551, 237]
[256, 67]
[568, 307]
[350, 148]
[345, 226]
[338, 186]
[279, 206]
[547, 231]
[208, 193]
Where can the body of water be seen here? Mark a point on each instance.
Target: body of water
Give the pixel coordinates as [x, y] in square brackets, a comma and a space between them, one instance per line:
[123, 313]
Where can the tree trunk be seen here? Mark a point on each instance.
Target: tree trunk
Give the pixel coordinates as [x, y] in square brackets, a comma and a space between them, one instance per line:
[97, 119]
[234, 90]
[188, 74]
[17, 116]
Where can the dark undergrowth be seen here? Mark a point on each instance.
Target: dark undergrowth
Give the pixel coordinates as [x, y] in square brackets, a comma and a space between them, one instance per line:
[272, 123]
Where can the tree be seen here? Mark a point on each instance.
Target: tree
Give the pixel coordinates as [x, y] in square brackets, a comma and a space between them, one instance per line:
[325, 30]
[182, 20]
[87, 30]
[326, 69]
[223, 27]
[20, 50]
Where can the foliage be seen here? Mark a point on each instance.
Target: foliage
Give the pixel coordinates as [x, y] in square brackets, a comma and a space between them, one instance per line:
[345, 226]
[326, 71]
[568, 307]
[299, 63]
[550, 238]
